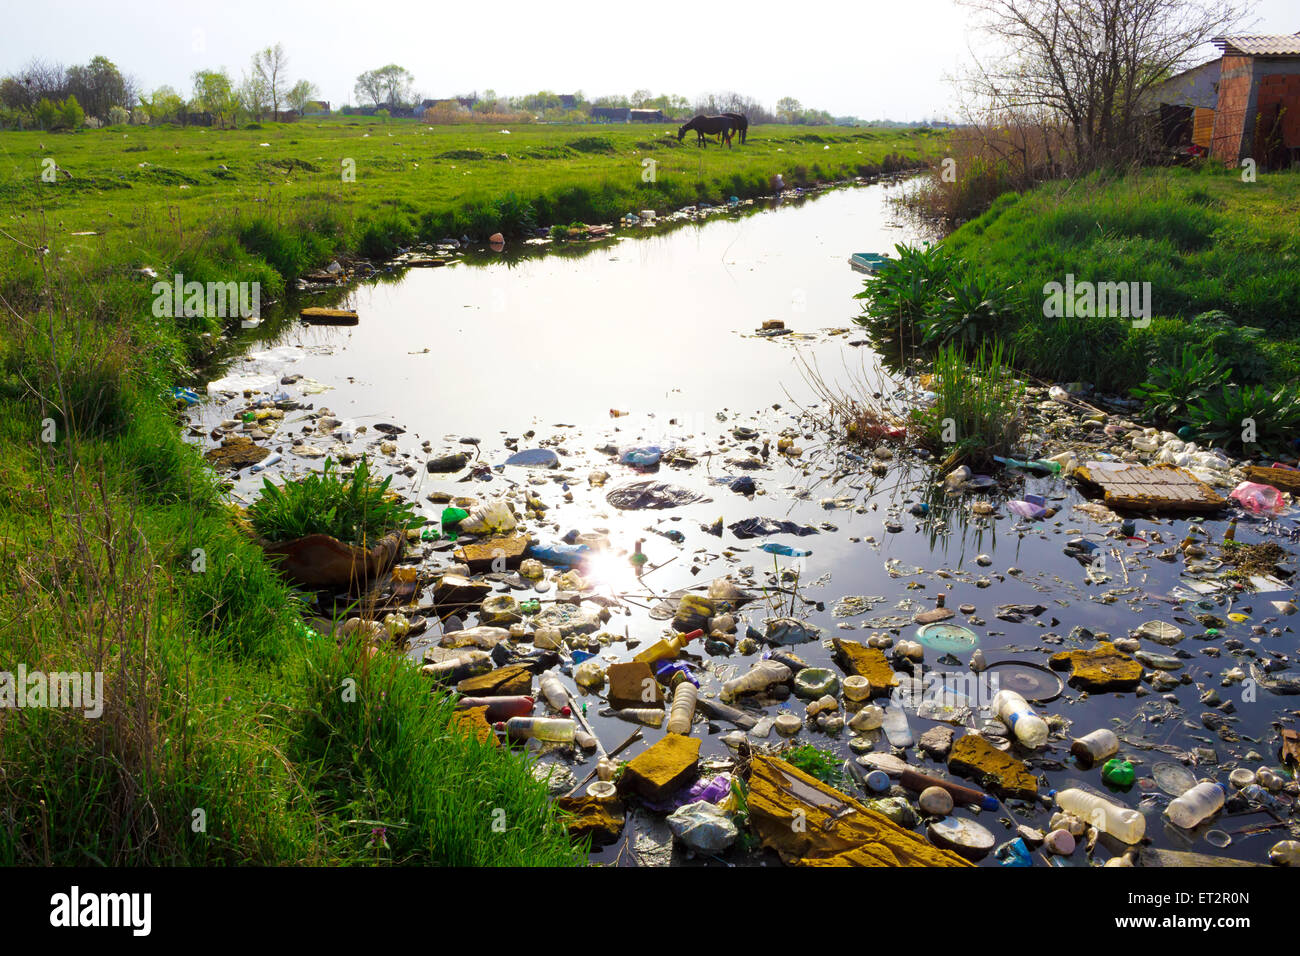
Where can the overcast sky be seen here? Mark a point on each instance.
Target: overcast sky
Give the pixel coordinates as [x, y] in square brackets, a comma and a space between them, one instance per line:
[872, 58]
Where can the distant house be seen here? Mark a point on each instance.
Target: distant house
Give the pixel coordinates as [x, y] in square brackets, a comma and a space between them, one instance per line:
[1258, 111]
[646, 116]
[467, 102]
[1244, 105]
[610, 114]
[1183, 106]
[317, 108]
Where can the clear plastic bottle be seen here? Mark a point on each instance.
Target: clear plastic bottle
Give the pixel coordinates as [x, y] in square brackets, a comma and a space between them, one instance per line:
[760, 677]
[1123, 823]
[1095, 747]
[649, 716]
[1015, 712]
[553, 691]
[683, 709]
[551, 729]
[1196, 805]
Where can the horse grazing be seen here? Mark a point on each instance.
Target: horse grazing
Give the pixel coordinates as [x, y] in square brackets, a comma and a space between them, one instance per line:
[740, 125]
[707, 125]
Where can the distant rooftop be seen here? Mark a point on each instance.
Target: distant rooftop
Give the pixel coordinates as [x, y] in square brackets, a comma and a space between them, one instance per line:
[1260, 44]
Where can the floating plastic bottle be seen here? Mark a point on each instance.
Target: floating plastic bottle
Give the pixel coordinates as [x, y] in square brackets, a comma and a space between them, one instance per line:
[896, 727]
[550, 729]
[1015, 712]
[760, 677]
[499, 708]
[1196, 805]
[650, 716]
[1095, 747]
[553, 691]
[667, 648]
[683, 710]
[1123, 823]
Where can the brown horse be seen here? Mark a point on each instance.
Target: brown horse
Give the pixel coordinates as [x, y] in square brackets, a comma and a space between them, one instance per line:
[707, 125]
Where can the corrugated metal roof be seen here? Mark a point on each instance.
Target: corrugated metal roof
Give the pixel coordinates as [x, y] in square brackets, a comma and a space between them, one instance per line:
[1260, 44]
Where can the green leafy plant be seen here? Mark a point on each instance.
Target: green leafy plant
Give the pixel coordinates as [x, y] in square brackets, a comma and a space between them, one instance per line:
[973, 309]
[354, 509]
[905, 289]
[1236, 412]
[1170, 390]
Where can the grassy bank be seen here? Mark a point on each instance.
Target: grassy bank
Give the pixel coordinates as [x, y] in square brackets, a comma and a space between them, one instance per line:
[1218, 339]
[225, 735]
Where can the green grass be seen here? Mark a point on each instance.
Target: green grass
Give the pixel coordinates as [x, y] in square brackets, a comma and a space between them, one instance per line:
[1205, 241]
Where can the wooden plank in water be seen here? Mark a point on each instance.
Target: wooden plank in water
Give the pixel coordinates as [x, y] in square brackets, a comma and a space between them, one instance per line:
[1161, 487]
[320, 316]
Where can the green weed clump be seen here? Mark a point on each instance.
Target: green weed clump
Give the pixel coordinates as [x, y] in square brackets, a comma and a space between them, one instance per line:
[355, 509]
[976, 414]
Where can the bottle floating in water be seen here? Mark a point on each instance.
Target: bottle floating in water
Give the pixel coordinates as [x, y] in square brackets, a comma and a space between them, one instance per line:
[760, 677]
[683, 709]
[1123, 823]
[550, 729]
[1096, 747]
[1012, 710]
[499, 708]
[1196, 805]
[896, 727]
[649, 716]
[554, 691]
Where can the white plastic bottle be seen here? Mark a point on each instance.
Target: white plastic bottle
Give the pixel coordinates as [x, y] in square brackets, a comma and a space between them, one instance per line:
[1015, 712]
[1196, 805]
[1123, 823]
[553, 691]
[760, 677]
[683, 709]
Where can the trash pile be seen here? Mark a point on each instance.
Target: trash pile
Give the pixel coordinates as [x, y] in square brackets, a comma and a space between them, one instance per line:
[1082, 658]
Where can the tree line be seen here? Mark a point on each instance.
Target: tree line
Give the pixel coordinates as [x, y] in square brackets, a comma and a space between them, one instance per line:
[45, 95]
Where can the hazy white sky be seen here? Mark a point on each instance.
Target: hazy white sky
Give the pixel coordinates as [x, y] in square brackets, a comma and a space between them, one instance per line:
[870, 58]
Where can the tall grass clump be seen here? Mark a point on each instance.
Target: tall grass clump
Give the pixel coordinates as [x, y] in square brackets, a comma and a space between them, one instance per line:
[977, 410]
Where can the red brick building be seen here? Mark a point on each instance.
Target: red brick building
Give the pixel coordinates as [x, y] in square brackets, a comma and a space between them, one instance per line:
[1258, 111]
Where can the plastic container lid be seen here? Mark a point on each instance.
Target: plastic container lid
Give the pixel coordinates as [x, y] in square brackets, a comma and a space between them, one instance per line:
[948, 638]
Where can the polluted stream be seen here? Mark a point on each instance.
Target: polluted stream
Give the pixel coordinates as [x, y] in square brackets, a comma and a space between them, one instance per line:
[645, 346]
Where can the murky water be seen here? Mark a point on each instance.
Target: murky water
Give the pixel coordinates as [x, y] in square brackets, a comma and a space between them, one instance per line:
[661, 326]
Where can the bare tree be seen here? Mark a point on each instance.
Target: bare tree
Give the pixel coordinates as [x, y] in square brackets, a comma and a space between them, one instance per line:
[270, 66]
[1089, 63]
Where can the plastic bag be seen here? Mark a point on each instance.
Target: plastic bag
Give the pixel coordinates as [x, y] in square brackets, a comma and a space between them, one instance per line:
[703, 827]
[1259, 499]
[489, 517]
